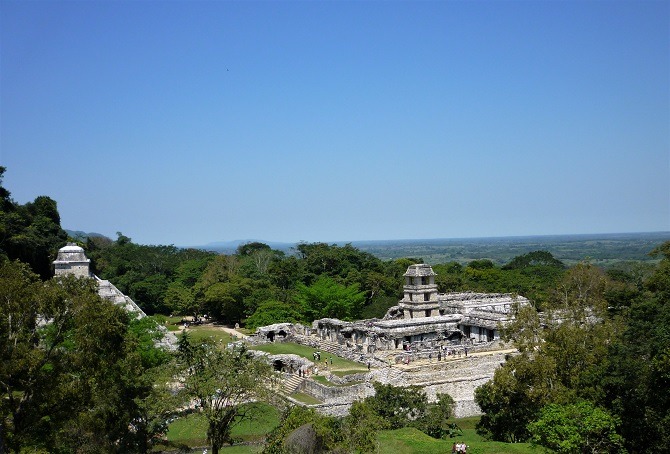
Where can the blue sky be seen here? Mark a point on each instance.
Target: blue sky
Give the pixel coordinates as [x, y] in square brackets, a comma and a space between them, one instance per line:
[192, 122]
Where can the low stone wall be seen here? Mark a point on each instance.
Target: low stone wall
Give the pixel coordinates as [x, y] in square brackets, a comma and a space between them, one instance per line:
[337, 394]
[350, 378]
[338, 410]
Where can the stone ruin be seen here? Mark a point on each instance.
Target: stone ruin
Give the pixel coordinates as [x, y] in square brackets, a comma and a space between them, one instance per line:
[72, 260]
[445, 343]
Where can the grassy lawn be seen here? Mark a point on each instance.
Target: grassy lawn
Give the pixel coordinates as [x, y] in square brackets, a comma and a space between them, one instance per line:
[192, 429]
[339, 367]
[200, 332]
[306, 398]
[413, 441]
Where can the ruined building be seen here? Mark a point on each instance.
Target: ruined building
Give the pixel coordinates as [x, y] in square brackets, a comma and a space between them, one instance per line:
[443, 343]
[72, 260]
[426, 319]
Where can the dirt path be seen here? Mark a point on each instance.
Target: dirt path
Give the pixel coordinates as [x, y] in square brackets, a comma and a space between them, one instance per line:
[232, 331]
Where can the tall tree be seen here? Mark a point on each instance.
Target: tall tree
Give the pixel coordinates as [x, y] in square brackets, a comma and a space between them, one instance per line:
[561, 356]
[221, 381]
[31, 232]
[638, 365]
[577, 428]
[327, 298]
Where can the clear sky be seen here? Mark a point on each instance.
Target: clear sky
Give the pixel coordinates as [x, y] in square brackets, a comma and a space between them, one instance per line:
[185, 123]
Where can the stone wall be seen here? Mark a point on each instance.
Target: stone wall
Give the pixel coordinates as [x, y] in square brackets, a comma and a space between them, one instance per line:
[337, 394]
[458, 378]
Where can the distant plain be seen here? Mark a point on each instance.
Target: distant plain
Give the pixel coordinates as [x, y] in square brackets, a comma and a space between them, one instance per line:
[601, 249]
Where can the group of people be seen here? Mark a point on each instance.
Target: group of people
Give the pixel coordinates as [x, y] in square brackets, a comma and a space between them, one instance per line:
[459, 448]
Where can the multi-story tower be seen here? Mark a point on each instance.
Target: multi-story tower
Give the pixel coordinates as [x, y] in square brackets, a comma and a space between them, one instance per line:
[420, 292]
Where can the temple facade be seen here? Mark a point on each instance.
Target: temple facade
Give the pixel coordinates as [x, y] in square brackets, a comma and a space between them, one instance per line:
[426, 319]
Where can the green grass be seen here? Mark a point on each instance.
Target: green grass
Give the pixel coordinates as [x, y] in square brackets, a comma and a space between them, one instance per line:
[339, 367]
[305, 398]
[192, 429]
[413, 441]
[201, 332]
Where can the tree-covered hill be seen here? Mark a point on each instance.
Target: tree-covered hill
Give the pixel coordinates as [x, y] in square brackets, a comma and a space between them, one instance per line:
[31, 232]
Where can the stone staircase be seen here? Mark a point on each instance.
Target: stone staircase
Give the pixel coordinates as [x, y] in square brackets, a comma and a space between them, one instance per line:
[291, 384]
[328, 347]
[322, 345]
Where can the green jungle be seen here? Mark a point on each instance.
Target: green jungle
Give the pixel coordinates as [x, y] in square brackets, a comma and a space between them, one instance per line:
[79, 374]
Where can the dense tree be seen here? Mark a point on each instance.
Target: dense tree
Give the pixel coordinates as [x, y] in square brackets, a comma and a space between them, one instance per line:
[436, 421]
[73, 373]
[31, 232]
[328, 298]
[515, 396]
[397, 406]
[576, 428]
[361, 426]
[249, 249]
[533, 259]
[561, 357]
[638, 366]
[146, 273]
[225, 300]
[272, 312]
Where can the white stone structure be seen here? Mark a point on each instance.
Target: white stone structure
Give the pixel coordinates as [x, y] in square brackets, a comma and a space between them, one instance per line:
[443, 343]
[72, 259]
[426, 319]
[420, 293]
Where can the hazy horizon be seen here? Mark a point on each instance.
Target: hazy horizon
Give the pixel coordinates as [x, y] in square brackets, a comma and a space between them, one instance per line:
[382, 240]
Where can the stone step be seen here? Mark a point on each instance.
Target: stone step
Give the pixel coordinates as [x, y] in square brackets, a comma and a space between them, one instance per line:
[291, 384]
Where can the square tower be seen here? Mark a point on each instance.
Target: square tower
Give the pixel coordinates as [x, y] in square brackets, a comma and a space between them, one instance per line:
[420, 292]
